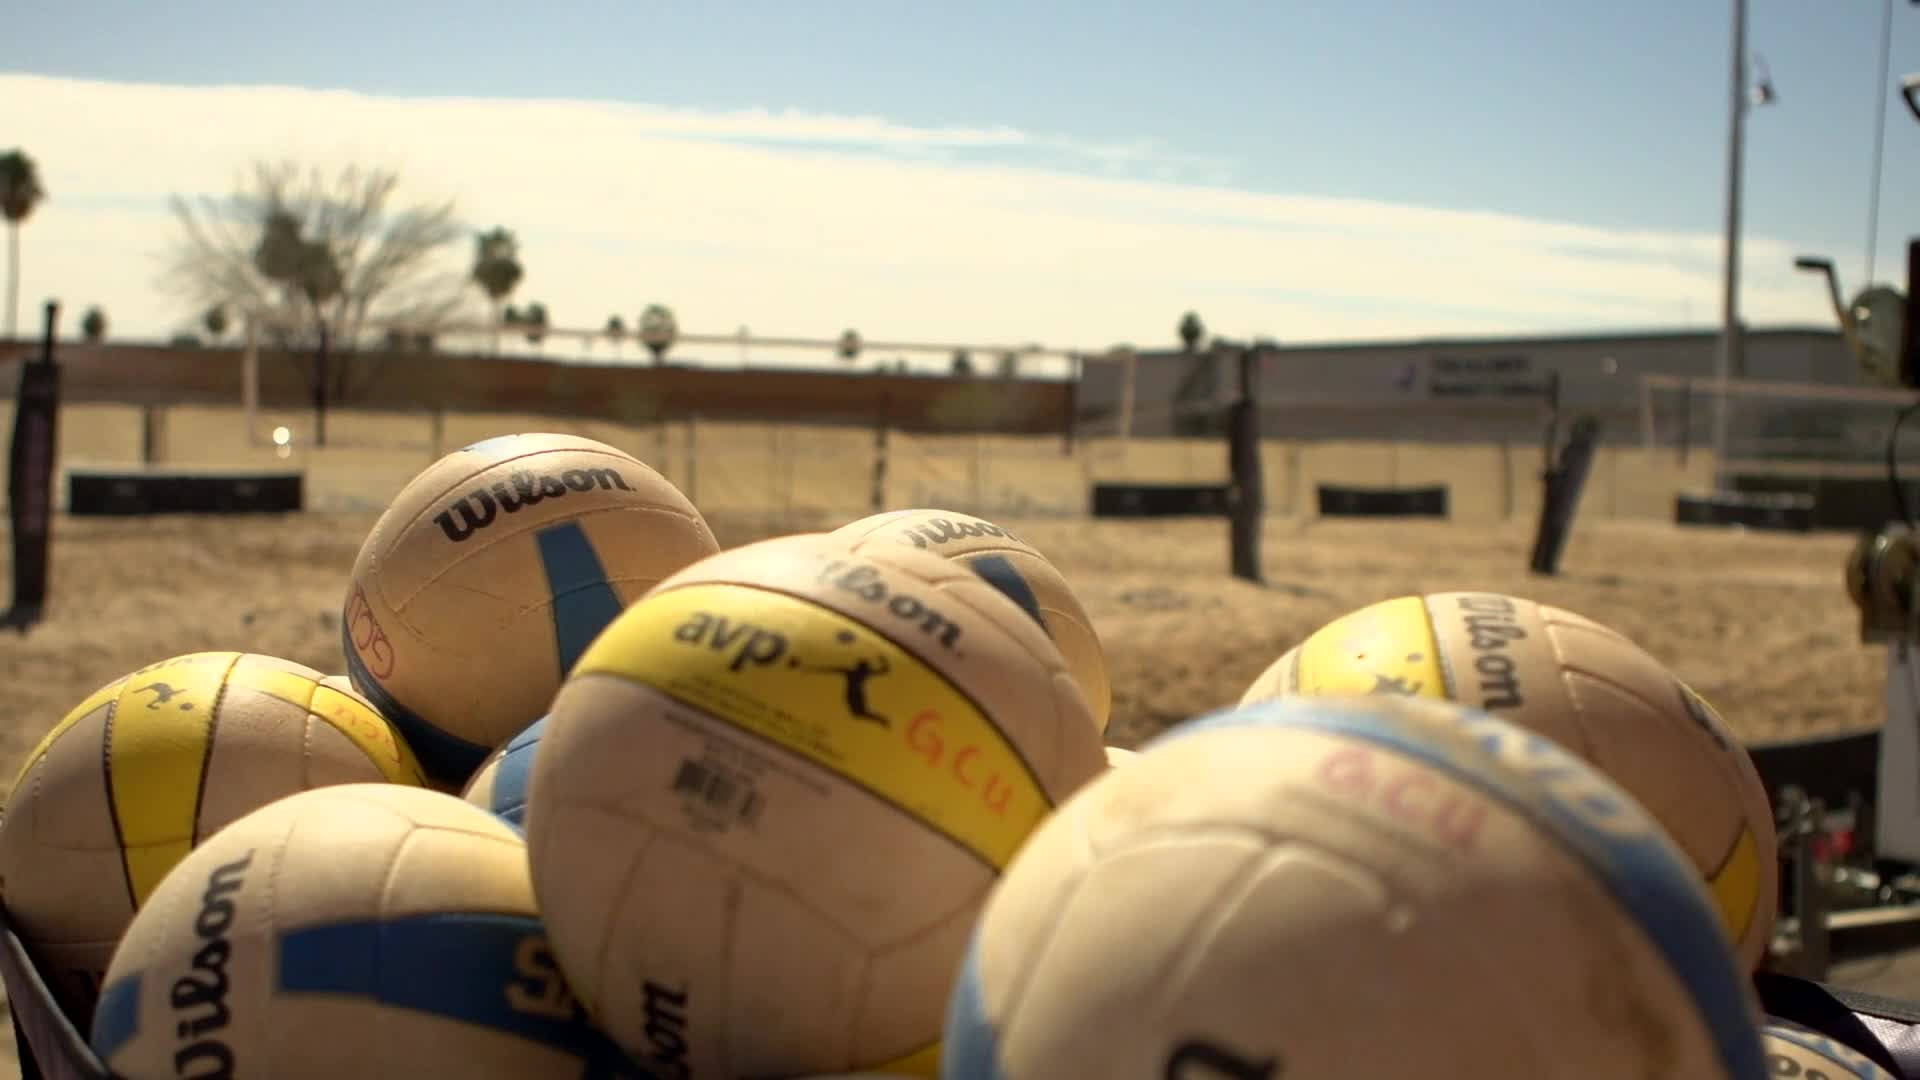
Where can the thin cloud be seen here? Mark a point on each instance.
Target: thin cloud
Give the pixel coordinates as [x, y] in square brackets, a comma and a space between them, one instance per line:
[803, 224]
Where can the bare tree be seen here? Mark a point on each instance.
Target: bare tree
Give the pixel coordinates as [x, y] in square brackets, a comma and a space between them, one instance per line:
[318, 258]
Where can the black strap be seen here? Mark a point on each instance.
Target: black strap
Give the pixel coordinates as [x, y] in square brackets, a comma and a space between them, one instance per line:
[1812, 1005]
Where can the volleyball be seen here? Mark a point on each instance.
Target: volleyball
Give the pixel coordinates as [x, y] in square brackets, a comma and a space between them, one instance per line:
[1341, 887]
[1587, 688]
[500, 784]
[367, 931]
[1795, 1051]
[1017, 569]
[491, 572]
[151, 764]
[771, 798]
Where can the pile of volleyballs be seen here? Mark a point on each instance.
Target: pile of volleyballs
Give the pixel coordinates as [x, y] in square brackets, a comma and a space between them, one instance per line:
[598, 798]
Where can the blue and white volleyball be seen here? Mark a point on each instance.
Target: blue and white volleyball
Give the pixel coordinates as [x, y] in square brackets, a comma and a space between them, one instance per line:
[500, 783]
[1793, 1050]
[489, 575]
[1357, 887]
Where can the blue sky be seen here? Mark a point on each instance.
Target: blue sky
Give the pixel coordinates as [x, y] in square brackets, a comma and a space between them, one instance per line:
[1605, 116]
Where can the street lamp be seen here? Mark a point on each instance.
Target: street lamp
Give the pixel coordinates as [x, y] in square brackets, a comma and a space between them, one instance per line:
[1762, 94]
[1822, 265]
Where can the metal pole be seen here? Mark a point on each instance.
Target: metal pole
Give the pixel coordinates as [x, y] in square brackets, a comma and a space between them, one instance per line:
[1879, 138]
[1730, 275]
[250, 380]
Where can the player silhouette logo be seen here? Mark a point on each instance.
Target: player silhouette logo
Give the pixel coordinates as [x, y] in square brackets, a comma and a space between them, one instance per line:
[856, 674]
[162, 693]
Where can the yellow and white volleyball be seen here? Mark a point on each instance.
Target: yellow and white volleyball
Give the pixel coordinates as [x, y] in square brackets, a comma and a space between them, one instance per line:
[1337, 888]
[491, 572]
[149, 766]
[1016, 568]
[1120, 755]
[499, 785]
[771, 798]
[1589, 689]
[366, 931]
[1796, 1051]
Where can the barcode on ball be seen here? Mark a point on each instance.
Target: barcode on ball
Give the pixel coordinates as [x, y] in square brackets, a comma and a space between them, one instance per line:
[717, 791]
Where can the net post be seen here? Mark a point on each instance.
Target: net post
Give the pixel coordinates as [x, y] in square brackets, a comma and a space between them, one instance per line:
[30, 478]
[250, 379]
[1909, 337]
[1246, 492]
[877, 495]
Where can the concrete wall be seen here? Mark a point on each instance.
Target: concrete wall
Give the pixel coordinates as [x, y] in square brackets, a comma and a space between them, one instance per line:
[797, 474]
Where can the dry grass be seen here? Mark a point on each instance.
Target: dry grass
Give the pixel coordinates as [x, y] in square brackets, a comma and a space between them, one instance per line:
[1759, 623]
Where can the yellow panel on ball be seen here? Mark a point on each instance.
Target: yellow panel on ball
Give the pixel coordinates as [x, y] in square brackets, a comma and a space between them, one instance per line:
[365, 931]
[777, 789]
[490, 574]
[1584, 686]
[1015, 567]
[130, 780]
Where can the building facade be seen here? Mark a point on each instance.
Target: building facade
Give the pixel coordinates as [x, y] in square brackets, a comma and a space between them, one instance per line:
[1481, 390]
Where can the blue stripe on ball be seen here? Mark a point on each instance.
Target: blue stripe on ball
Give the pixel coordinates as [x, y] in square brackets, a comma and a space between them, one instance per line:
[999, 572]
[583, 602]
[970, 1048]
[1634, 860]
[468, 968]
[511, 774]
[446, 758]
[116, 1018]
[1844, 1057]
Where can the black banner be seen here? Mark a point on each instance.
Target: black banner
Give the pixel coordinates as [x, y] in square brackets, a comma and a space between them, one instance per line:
[1338, 501]
[30, 487]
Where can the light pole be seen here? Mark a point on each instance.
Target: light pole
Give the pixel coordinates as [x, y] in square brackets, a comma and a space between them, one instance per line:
[1879, 138]
[1730, 275]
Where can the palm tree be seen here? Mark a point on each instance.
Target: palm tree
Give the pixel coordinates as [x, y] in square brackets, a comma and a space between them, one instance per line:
[20, 192]
[536, 322]
[93, 326]
[658, 329]
[1191, 331]
[616, 331]
[850, 345]
[497, 269]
